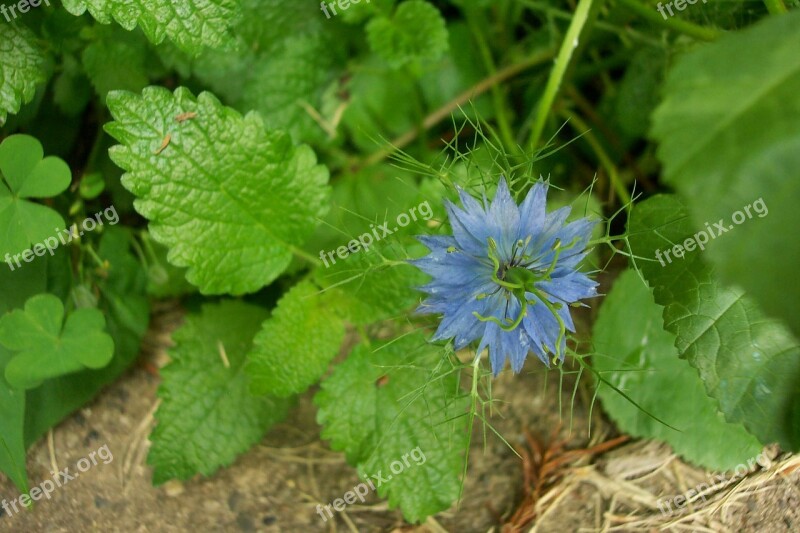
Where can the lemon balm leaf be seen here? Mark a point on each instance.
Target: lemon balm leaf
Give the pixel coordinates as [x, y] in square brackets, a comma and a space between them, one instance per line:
[391, 400]
[636, 355]
[416, 32]
[46, 346]
[22, 67]
[190, 25]
[232, 200]
[207, 415]
[286, 359]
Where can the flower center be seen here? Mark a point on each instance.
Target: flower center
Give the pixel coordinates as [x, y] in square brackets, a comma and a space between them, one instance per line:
[517, 279]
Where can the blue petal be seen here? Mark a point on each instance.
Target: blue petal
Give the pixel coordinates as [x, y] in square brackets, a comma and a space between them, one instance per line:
[504, 217]
[532, 211]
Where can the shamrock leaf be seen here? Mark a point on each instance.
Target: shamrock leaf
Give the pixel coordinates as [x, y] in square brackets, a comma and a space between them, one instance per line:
[27, 175]
[46, 348]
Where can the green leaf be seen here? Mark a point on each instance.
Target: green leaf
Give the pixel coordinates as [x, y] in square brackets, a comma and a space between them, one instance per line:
[127, 311]
[747, 361]
[116, 60]
[286, 55]
[190, 25]
[21, 68]
[230, 199]
[164, 280]
[12, 426]
[28, 175]
[729, 133]
[638, 357]
[368, 288]
[382, 404]
[294, 347]
[639, 91]
[207, 415]
[45, 348]
[416, 32]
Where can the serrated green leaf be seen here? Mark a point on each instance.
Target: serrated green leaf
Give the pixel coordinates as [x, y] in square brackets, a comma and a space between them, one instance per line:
[416, 32]
[207, 415]
[26, 174]
[729, 133]
[21, 68]
[636, 355]
[747, 361]
[230, 199]
[115, 60]
[294, 347]
[47, 347]
[189, 24]
[286, 55]
[384, 402]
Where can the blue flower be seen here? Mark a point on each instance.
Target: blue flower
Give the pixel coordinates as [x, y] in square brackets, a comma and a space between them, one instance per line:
[507, 276]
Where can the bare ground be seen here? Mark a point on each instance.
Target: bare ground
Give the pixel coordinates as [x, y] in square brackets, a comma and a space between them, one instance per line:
[277, 484]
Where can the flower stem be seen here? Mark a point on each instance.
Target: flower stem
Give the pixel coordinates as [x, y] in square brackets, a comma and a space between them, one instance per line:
[602, 156]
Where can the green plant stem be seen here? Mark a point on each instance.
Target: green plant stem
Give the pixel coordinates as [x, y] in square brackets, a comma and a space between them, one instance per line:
[568, 46]
[497, 94]
[602, 156]
[776, 7]
[675, 24]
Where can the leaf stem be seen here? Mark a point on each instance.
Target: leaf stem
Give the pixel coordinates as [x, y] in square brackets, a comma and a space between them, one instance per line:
[674, 24]
[776, 7]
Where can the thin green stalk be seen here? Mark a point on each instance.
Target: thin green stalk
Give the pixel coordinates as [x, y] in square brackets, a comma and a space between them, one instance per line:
[673, 23]
[557, 74]
[776, 7]
[602, 156]
[491, 69]
[506, 73]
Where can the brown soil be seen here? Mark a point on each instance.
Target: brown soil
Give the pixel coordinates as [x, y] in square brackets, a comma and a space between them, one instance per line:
[277, 485]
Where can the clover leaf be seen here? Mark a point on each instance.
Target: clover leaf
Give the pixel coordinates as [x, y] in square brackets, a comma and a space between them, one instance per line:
[47, 347]
[26, 174]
